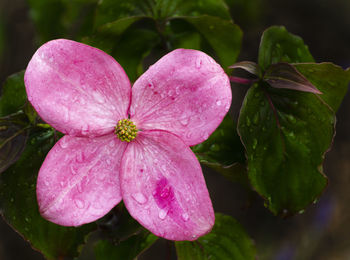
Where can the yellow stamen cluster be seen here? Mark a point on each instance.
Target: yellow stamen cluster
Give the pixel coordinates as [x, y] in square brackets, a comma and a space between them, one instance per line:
[126, 130]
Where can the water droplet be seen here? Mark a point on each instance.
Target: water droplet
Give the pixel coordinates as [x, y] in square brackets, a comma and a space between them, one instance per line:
[139, 197]
[27, 219]
[162, 213]
[291, 119]
[218, 103]
[184, 121]
[255, 142]
[256, 118]
[215, 148]
[79, 203]
[301, 211]
[185, 216]
[248, 121]
[290, 134]
[198, 63]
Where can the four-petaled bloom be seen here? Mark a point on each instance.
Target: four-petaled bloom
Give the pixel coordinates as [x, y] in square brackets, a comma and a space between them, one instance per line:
[126, 143]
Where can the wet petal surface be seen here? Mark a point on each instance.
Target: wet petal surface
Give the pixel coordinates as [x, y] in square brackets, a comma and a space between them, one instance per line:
[163, 187]
[77, 89]
[186, 92]
[79, 179]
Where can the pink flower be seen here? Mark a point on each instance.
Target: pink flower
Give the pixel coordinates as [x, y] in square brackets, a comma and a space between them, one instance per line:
[84, 93]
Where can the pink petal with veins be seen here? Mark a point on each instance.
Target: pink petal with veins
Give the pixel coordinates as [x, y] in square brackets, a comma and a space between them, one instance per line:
[186, 92]
[78, 89]
[79, 179]
[163, 187]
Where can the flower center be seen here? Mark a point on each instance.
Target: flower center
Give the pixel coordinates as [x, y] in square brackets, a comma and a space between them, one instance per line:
[126, 130]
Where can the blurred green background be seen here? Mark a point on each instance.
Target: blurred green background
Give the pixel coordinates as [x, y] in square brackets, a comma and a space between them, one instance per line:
[323, 230]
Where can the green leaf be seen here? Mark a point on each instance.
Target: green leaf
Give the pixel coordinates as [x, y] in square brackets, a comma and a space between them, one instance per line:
[19, 208]
[285, 75]
[47, 16]
[278, 45]
[224, 152]
[118, 225]
[227, 240]
[118, 27]
[13, 137]
[78, 18]
[127, 249]
[286, 134]
[330, 79]
[223, 36]
[216, 8]
[223, 147]
[133, 46]
[111, 10]
[13, 95]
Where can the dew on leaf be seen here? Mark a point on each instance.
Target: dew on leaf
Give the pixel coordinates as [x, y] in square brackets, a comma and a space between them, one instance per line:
[255, 142]
[256, 118]
[248, 121]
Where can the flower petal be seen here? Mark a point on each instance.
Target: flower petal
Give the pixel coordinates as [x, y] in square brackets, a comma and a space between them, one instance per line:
[79, 179]
[163, 187]
[78, 89]
[186, 92]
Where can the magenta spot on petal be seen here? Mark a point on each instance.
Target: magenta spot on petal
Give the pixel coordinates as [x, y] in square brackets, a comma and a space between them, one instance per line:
[164, 194]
